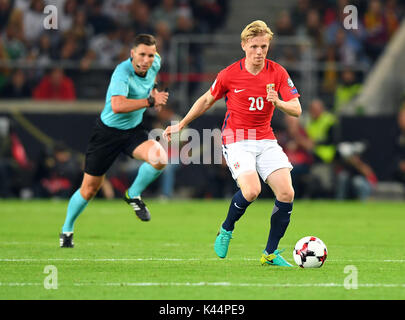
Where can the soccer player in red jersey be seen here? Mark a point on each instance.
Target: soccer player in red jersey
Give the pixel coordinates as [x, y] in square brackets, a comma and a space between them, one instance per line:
[251, 87]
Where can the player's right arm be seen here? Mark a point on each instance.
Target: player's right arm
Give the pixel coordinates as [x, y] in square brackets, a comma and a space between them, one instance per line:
[199, 107]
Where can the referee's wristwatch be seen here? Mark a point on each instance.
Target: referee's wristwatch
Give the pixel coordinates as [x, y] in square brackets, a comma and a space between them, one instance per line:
[151, 101]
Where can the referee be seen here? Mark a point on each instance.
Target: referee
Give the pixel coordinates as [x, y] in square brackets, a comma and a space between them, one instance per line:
[119, 129]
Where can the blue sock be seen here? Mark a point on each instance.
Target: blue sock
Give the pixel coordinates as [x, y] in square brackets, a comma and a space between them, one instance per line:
[280, 218]
[146, 175]
[76, 205]
[236, 210]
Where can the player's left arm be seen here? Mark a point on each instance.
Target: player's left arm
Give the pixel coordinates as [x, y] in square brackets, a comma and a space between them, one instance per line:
[290, 103]
[291, 107]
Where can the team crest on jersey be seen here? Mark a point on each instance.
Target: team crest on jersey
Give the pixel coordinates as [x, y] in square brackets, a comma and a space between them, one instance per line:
[270, 86]
[236, 165]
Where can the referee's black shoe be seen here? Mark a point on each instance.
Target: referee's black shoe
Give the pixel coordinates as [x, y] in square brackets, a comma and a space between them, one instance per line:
[139, 207]
[66, 240]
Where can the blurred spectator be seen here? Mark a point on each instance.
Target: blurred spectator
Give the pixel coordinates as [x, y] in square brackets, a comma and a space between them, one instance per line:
[14, 164]
[392, 16]
[399, 157]
[55, 86]
[209, 14]
[376, 28]
[298, 148]
[333, 11]
[6, 160]
[320, 128]
[163, 36]
[166, 12]
[103, 49]
[66, 18]
[348, 42]
[43, 53]
[140, 14]
[58, 173]
[34, 20]
[17, 88]
[330, 75]
[118, 10]
[4, 71]
[347, 89]
[284, 26]
[299, 13]
[75, 40]
[13, 43]
[313, 29]
[100, 22]
[354, 177]
[5, 12]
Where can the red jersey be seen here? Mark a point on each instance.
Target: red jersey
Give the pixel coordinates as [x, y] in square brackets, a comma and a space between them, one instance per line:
[248, 113]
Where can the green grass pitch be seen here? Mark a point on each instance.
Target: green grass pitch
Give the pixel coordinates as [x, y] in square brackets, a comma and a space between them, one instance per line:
[117, 256]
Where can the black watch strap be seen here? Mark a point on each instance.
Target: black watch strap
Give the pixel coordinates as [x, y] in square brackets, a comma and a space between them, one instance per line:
[151, 101]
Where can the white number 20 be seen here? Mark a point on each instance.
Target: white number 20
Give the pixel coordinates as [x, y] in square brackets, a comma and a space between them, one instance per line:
[256, 103]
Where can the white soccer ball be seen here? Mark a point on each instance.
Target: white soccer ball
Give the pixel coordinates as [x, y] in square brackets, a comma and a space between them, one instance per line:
[310, 252]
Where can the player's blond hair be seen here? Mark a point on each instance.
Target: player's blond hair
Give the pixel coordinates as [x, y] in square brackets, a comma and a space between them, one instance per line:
[254, 29]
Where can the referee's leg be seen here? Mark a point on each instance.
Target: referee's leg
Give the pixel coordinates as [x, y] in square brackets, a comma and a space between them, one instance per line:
[155, 158]
[79, 200]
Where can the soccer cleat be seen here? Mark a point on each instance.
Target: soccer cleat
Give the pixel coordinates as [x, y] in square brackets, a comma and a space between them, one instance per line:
[222, 242]
[66, 240]
[274, 259]
[139, 207]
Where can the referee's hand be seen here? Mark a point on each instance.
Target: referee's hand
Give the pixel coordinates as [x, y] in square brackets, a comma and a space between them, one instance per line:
[161, 97]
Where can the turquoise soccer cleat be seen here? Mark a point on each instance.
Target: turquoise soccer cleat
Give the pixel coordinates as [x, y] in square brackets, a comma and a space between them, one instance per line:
[222, 242]
[274, 259]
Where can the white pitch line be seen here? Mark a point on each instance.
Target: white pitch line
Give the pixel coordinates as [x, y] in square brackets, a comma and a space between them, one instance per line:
[229, 284]
[19, 284]
[175, 259]
[210, 284]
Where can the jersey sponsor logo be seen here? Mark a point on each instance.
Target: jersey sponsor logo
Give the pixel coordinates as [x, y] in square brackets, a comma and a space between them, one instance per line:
[236, 91]
[290, 83]
[270, 86]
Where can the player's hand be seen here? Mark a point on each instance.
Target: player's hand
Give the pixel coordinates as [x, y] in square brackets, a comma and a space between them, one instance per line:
[272, 96]
[170, 130]
[161, 97]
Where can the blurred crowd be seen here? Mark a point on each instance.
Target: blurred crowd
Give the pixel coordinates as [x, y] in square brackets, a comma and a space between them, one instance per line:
[90, 32]
[343, 54]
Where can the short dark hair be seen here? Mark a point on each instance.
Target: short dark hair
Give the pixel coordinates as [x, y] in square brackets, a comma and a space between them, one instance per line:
[146, 39]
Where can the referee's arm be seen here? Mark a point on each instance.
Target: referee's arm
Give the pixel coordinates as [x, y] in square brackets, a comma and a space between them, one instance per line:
[121, 104]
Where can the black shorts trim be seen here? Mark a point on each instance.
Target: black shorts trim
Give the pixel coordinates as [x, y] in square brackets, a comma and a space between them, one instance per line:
[106, 143]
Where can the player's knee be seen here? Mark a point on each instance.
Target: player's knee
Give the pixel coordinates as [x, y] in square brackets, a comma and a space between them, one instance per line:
[251, 192]
[159, 165]
[157, 157]
[286, 195]
[89, 191]
[161, 160]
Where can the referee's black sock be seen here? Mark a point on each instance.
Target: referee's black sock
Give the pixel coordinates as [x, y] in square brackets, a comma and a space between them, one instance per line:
[236, 210]
[280, 218]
